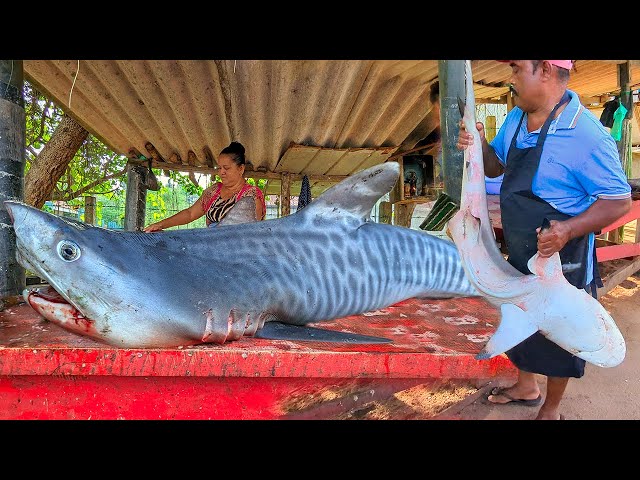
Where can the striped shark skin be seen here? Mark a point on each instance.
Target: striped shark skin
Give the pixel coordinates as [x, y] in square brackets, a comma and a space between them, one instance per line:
[266, 279]
[544, 301]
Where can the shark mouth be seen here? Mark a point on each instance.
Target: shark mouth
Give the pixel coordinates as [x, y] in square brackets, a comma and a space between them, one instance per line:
[55, 308]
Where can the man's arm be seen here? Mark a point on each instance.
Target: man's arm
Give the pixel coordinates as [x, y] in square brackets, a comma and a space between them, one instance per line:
[492, 166]
[600, 214]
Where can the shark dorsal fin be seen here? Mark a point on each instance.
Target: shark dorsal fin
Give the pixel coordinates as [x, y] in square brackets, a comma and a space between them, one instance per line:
[357, 194]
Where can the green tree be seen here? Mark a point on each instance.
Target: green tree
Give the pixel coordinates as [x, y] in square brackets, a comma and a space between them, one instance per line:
[78, 164]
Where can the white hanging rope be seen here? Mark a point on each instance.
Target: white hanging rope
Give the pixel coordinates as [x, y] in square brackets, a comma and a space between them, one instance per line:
[74, 82]
[9, 82]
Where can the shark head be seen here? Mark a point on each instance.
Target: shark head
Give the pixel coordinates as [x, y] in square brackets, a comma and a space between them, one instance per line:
[47, 244]
[76, 261]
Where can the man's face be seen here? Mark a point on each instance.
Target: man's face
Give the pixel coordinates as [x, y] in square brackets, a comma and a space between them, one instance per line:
[527, 86]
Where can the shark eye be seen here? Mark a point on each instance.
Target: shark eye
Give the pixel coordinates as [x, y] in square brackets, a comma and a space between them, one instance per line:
[68, 250]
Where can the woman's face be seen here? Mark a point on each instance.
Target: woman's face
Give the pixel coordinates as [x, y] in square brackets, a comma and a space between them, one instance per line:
[230, 173]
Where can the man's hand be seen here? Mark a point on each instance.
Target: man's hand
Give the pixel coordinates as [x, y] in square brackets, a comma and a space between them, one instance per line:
[465, 139]
[554, 238]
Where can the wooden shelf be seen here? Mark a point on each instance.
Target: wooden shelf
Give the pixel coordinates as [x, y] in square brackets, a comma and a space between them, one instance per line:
[415, 200]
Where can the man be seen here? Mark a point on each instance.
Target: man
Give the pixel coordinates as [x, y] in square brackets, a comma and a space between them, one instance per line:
[559, 163]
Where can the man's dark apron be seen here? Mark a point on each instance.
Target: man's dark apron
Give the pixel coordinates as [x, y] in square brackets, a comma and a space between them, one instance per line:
[521, 213]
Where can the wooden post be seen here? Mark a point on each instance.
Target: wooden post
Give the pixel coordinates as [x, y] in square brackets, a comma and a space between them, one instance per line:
[490, 128]
[135, 205]
[510, 102]
[452, 87]
[12, 161]
[285, 194]
[624, 145]
[626, 99]
[384, 214]
[90, 210]
[397, 192]
[404, 211]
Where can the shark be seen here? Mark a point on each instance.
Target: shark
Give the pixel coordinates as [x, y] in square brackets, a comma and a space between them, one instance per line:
[543, 301]
[264, 279]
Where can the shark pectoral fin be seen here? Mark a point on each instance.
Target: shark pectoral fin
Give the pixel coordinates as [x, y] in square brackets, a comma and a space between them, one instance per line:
[515, 326]
[545, 266]
[285, 331]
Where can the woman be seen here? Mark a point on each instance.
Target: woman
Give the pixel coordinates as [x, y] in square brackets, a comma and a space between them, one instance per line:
[218, 199]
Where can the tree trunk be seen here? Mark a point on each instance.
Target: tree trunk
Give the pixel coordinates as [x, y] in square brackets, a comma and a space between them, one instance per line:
[53, 160]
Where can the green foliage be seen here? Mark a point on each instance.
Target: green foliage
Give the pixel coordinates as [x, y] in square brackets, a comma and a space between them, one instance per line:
[91, 168]
[185, 182]
[92, 164]
[261, 183]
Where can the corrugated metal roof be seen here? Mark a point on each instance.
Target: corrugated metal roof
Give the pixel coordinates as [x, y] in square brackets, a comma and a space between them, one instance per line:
[589, 77]
[183, 112]
[200, 106]
[332, 162]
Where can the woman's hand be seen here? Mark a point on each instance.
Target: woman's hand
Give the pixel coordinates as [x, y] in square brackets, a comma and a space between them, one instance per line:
[154, 227]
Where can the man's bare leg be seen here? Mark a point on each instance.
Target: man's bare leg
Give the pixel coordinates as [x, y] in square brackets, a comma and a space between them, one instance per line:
[526, 388]
[555, 390]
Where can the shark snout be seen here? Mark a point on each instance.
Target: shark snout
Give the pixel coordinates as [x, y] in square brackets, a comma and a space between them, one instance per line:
[14, 208]
[9, 206]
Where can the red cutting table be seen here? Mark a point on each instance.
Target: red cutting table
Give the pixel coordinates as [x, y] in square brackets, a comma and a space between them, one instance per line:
[603, 253]
[49, 373]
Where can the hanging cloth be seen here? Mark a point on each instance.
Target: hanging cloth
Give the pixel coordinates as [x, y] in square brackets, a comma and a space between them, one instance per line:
[606, 117]
[618, 116]
[305, 194]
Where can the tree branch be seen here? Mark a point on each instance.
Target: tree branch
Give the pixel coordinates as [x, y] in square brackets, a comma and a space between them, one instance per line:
[71, 195]
[34, 153]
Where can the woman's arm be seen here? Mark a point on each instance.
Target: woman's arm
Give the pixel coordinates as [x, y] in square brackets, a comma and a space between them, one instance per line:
[183, 217]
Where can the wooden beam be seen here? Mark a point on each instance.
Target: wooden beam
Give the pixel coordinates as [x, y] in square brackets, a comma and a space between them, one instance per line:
[497, 101]
[417, 149]
[285, 194]
[295, 177]
[208, 157]
[397, 192]
[619, 276]
[404, 211]
[134, 154]
[490, 128]
[384, 214]
[90, 210]
[136, 198]
[192, 159]
[153, 152]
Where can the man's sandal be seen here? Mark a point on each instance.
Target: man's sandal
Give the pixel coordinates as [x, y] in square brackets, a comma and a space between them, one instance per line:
[522, 401]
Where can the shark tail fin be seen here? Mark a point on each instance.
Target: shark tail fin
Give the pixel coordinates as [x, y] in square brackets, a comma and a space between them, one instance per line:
[515, 326]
